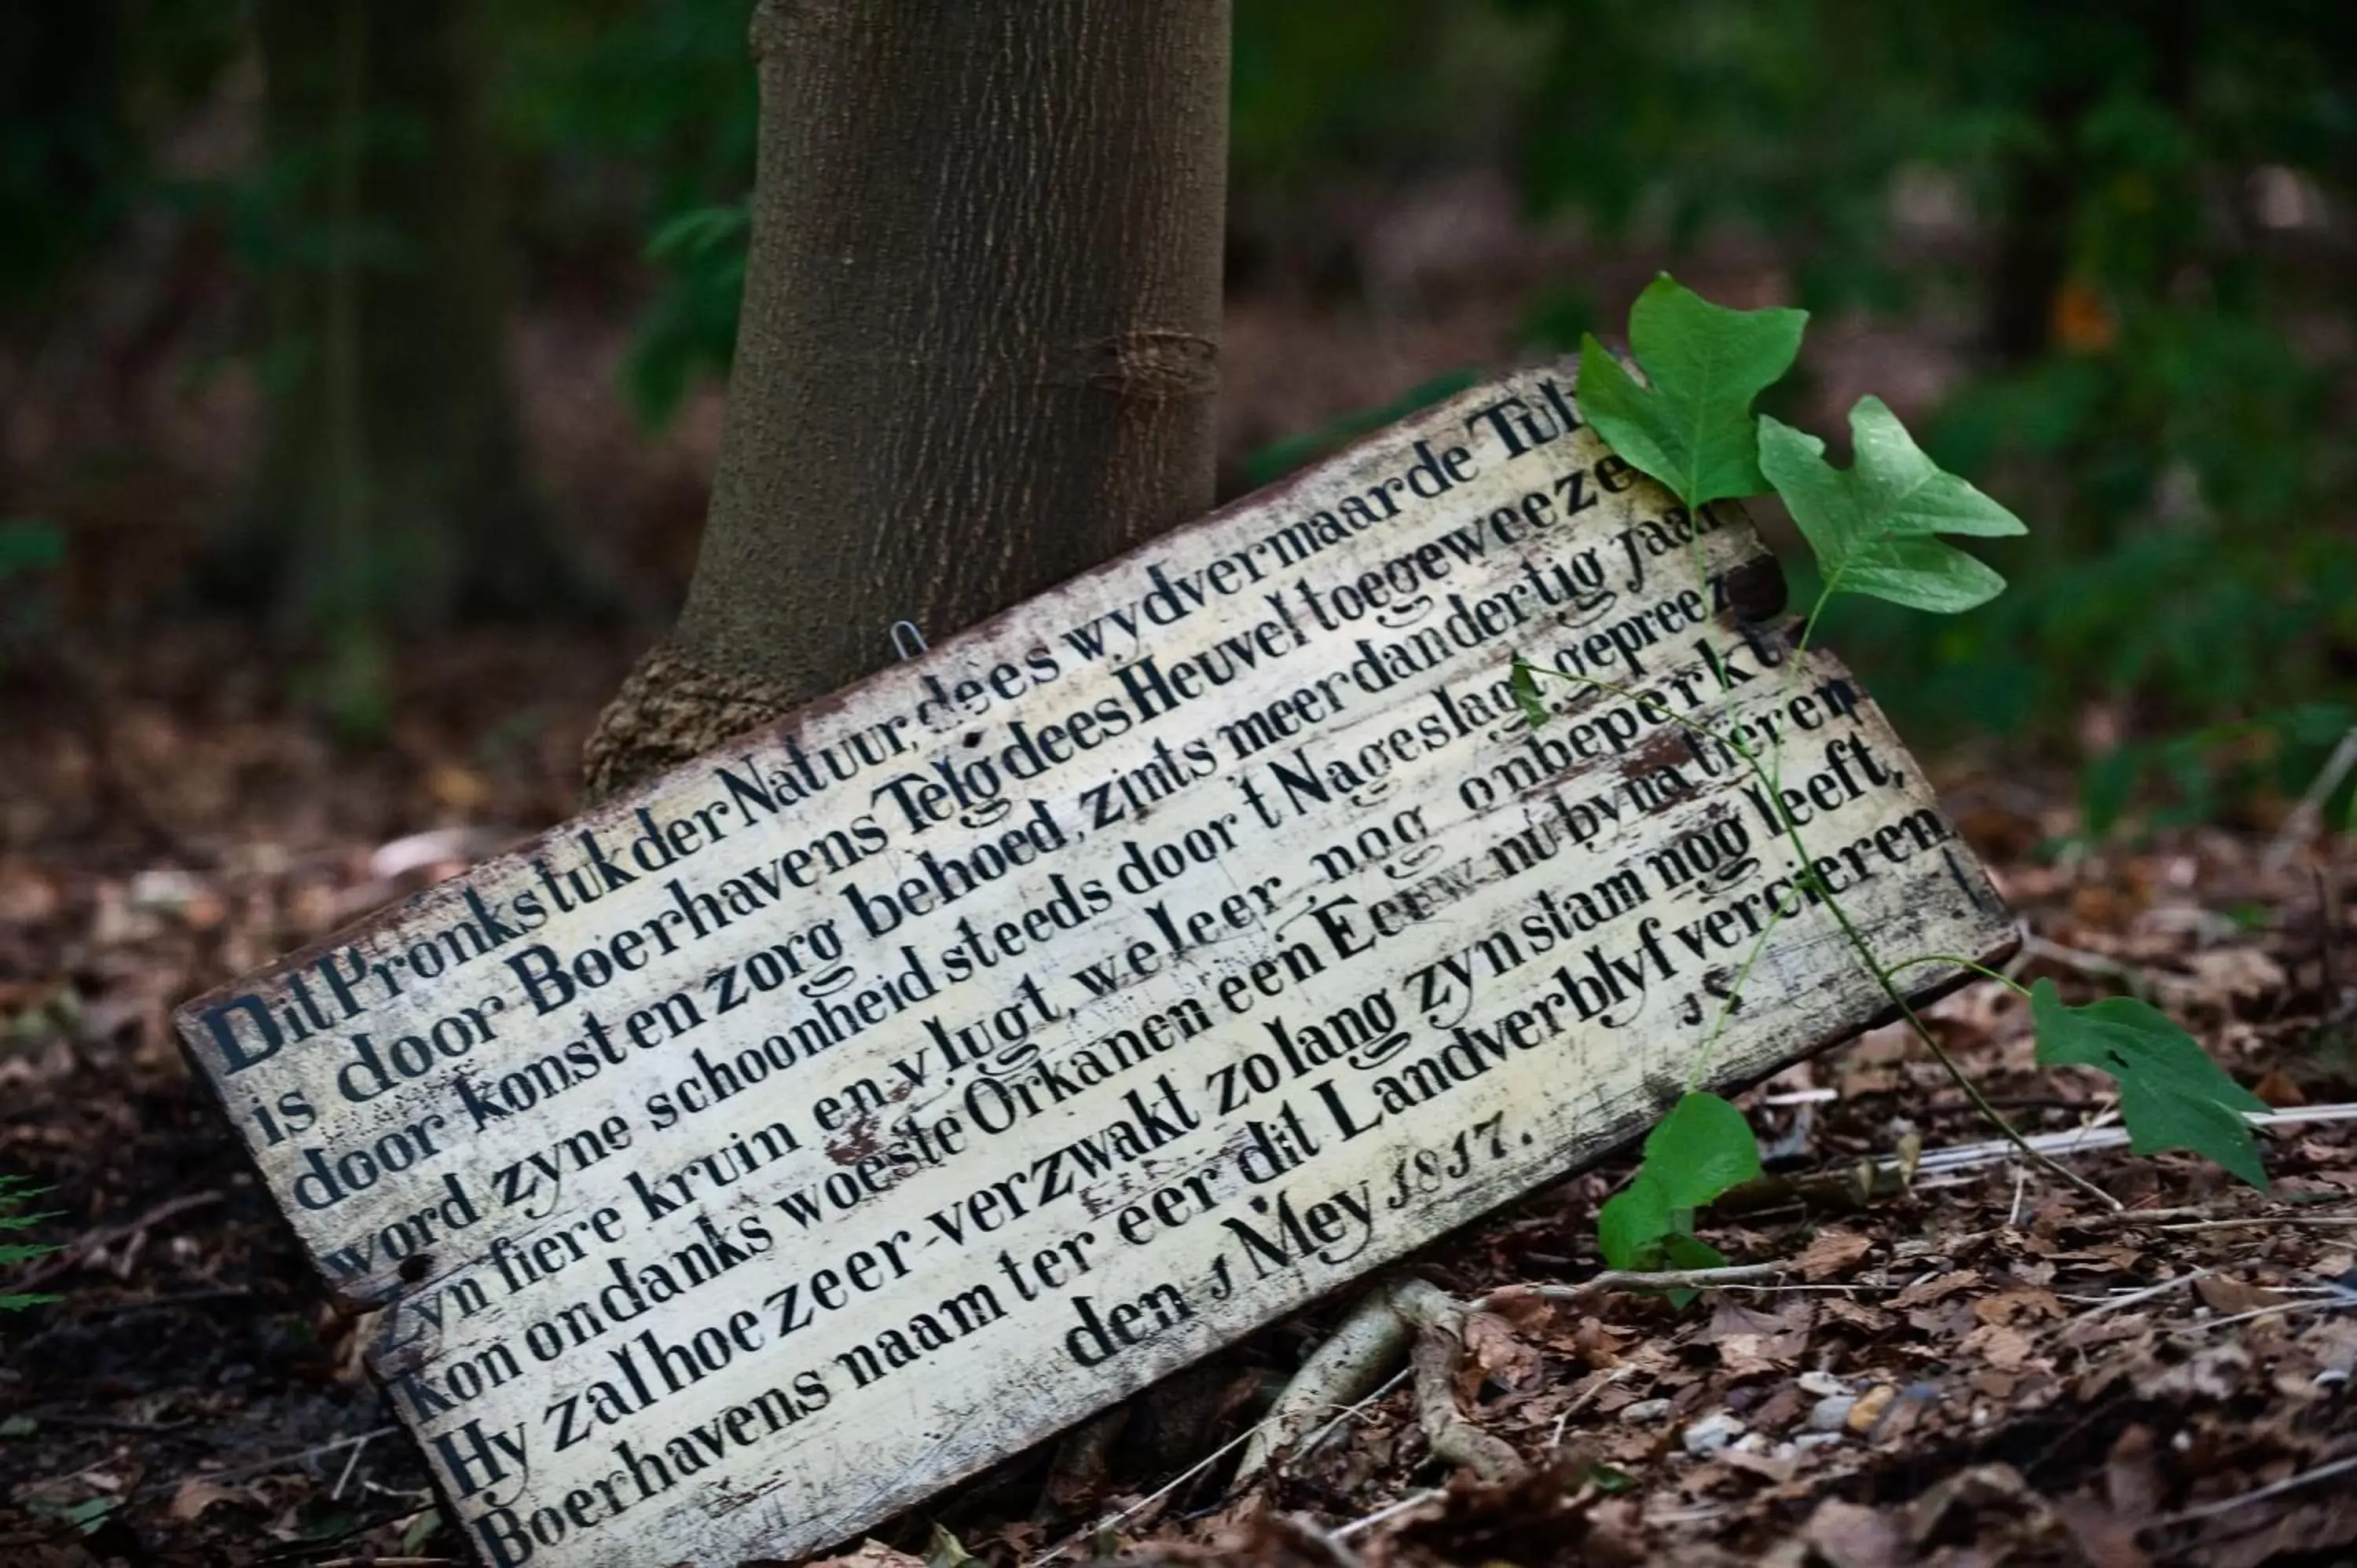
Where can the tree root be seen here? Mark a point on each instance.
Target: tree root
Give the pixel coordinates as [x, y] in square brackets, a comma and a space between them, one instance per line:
[1439, 1348]
[1351, 1365]
[1404, 1317]
[672, 707]
[1413, 1320]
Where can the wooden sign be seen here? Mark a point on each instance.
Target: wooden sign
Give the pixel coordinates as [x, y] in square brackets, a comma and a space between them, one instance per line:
[753, 1156]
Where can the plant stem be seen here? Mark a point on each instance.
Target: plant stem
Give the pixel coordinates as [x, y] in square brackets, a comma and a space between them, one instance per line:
[1984, 971]
[1884, 977]
[1734, 1000]
[1922, 1031]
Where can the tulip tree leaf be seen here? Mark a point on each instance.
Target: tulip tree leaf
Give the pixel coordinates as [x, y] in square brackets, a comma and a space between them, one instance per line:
[1875, 526]
[1691, 426]
[2172, 1096]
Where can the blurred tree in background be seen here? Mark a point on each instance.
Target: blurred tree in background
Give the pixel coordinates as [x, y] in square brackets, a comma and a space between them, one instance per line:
[390, 486]
[2110, 247]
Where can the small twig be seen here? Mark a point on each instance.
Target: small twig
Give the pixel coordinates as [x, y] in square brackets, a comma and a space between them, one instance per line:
[2095, 1140]
[1622, 1279]
[2036, 946]
[1050, 1554]
[2335, 1302]
[2308, 815]
[1389, 1510]
[1309, 1445]
[344, 1478]
[1316, 1542]
[2145, 1216]
[238, 1472]
[109, 1422]
[2136, 1297]
[2272, 1489]
[83, 1250]
[2265, 1220]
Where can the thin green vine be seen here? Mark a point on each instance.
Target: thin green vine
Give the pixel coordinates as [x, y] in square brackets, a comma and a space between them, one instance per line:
[1876, 529]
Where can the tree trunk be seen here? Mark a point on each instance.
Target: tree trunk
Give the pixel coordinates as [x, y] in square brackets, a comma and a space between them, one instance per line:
[978, 347]
[391, 485]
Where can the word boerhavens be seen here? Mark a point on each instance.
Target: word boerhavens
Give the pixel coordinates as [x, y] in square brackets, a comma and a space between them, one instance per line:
[899, 1085]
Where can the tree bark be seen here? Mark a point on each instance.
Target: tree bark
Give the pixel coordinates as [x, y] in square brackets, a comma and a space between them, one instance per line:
[978, 347]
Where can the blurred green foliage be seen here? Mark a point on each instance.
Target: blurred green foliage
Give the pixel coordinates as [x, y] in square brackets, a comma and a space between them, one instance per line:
[2125, 234]
[2134, 222]
[85, 90]
[30, 550]
[639, 118]
[16, 1191]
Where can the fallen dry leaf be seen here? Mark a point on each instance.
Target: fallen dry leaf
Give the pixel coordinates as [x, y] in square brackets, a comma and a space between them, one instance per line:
[1831, 1253]
[195, 1495]
[2108, 1540]
[1936, 1287]
[870, 1553]
[1848, 1536]
[2224, 1295]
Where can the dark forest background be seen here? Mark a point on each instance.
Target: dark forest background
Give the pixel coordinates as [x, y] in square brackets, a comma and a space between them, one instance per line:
[361, 366]
[338, 340]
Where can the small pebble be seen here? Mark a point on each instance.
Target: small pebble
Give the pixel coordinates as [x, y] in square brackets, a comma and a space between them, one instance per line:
[1831, 1414]
[1711, 1433]
[1809, 1442]
[1871, 1406]
[1644, 1410]
[1822, 1383]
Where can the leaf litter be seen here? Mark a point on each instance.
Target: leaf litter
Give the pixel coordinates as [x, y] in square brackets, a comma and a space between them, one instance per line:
[1951, 1359]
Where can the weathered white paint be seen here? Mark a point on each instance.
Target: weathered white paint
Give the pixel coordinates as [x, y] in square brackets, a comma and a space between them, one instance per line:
[1288, 948]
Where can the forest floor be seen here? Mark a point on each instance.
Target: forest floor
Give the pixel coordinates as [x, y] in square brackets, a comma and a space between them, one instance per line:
[1964, 1362]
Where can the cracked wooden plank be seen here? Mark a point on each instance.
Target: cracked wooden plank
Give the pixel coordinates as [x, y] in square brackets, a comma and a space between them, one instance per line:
[748, 1159]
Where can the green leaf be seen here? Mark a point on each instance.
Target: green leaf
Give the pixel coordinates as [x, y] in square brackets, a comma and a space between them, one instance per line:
[1525, 687]
[27, 543]
[1692, 428]
[85, 1517]
[2172, 1096]
[943, 1550]
[1681, 1251]
[1608, 1480]
[421, 1529]
[2108, 785]
[1630, 1225]
[1875, 526]
[700, 231]
[1700, 1149]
